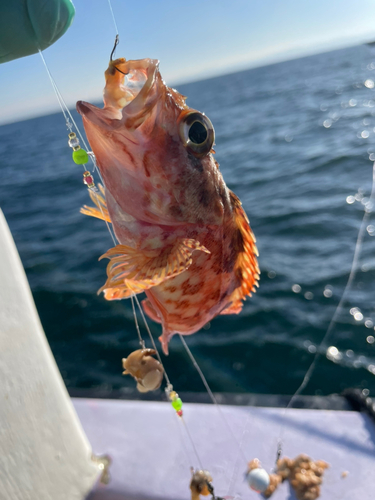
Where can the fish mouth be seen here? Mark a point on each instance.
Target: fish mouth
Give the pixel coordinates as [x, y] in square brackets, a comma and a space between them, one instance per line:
[129, 95]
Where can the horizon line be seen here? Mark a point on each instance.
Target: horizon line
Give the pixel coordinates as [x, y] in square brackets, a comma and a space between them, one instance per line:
[241, 67]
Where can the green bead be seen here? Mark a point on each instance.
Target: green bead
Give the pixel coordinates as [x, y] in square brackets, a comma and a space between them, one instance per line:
[177, 404]
[80, 157]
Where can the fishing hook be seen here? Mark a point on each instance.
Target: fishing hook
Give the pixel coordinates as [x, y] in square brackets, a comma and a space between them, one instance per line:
[113, 51]
[279, 451]
[212, 491]
[114, 47]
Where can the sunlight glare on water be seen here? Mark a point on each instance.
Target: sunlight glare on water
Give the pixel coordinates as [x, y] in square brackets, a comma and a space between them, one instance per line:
[328, 291]
[333, 354]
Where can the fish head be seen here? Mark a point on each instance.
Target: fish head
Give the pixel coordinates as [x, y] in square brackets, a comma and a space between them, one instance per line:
[153, 151]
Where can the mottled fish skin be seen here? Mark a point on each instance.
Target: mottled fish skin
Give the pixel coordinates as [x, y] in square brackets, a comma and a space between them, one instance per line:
[184, 237]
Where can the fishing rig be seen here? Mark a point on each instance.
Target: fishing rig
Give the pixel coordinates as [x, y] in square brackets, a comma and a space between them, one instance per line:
[148, 370]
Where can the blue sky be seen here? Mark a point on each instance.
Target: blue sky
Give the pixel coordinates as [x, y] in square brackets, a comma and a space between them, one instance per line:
[193, 40]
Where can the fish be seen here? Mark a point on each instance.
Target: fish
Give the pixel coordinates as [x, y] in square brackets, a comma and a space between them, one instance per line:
[184, 237]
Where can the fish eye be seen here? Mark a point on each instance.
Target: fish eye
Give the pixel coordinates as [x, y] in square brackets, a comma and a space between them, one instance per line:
[197, 133]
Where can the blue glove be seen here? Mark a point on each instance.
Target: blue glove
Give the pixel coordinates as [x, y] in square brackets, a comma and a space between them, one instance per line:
[29, 25]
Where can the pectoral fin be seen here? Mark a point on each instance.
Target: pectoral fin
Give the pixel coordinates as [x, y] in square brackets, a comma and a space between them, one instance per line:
[101, 212]
[132, 271]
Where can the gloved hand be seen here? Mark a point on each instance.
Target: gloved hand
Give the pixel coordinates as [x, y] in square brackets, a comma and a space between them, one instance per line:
[29, 25]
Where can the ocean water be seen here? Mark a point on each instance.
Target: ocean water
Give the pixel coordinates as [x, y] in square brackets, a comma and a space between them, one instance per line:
[295, 141]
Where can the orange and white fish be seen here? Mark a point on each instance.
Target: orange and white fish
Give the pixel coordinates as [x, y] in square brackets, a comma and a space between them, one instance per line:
[184, 237]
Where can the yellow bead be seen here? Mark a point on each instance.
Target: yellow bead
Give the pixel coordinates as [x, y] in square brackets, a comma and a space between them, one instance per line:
[173, 395]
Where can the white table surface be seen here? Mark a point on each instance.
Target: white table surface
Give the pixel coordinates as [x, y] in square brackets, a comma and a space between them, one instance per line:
[152, 454]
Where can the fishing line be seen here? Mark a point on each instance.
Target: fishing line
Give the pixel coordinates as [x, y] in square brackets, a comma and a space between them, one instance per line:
[353, 271]
[69, 125]
[240, 452]
[152, 340]
[117, 40]
[92, 157]
[63, 104]
[210, 393]
[182, 432]
[357, 251]
[107, 224]
[141, 341]
[310, 370]
[169, 385]
[239, 444]
[134, 296]
[111, 232]
[192, 443]
[114, 22]
[57, 93]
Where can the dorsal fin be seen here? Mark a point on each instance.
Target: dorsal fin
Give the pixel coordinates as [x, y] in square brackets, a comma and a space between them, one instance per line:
[246, 267]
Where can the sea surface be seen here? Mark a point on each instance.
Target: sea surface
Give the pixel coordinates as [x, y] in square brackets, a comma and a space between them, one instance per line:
[296, 142]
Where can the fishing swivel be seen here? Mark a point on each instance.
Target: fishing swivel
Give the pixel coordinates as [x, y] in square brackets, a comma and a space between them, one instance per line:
[201, 484]
[81, 157]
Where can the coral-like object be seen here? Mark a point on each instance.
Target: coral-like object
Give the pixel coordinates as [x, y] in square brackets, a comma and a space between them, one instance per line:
[275, 480]
[304, 475]
[254, 464]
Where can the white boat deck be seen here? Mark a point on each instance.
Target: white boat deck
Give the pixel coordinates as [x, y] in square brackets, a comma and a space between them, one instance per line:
[152, 454]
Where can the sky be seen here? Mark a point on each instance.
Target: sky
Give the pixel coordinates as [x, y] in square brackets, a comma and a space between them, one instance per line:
[193, 40]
